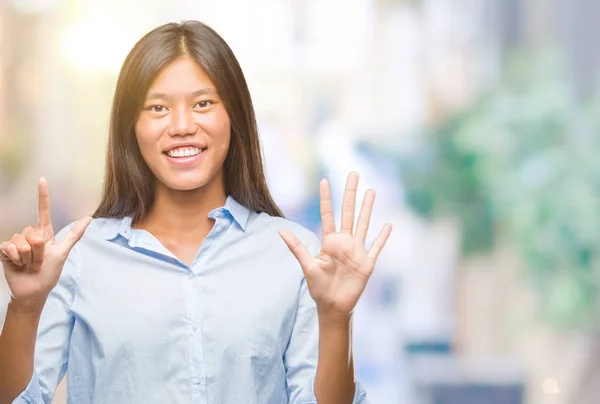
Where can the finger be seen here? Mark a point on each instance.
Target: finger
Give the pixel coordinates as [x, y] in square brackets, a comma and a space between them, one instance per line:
[23, 248]
[327, 220]
[9, 250]
[302, 255]
[44, 219]
[74, 235]
[36, 240]
[349, 203]
[364, 219]
[380, 241]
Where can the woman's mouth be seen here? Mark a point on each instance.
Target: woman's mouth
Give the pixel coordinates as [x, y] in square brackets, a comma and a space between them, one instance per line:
[184, 156]
[180, 152]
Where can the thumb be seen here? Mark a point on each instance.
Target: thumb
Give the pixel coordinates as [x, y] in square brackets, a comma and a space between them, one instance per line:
[74, 235]
[302, 255]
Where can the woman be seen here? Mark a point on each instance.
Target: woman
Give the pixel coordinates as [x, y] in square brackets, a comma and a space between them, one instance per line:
[181, 289]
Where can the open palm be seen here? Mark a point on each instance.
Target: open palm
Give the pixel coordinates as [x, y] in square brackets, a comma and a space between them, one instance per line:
[337, 277]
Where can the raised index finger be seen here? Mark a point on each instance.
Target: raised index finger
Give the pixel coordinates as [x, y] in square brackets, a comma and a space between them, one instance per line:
[44, 219]
[327, 220]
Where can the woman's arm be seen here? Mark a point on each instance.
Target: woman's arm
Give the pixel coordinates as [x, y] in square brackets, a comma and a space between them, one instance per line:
[36, 332]
[317, 353]
[334, 382]
[17, 345]
[32, 263]
[336, 278]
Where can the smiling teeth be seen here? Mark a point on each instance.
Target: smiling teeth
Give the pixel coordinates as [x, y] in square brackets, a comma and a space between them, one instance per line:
[183, 152]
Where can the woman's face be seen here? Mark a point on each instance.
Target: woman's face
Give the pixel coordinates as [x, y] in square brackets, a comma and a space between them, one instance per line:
[183, 130]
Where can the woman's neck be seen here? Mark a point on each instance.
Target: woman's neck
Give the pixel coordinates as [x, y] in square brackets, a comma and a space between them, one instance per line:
[183, 212]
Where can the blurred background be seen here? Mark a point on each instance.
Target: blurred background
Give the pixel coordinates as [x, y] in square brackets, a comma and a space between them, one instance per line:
[476, 121]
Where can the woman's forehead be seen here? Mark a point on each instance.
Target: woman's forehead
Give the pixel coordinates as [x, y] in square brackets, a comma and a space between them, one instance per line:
[182, 76]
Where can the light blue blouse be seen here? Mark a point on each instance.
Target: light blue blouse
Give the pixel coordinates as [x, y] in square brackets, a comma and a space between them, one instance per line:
[130, 323]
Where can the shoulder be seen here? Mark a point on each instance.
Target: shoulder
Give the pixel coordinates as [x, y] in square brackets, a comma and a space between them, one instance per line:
[261, 222]
[99, 227]
[96, 234]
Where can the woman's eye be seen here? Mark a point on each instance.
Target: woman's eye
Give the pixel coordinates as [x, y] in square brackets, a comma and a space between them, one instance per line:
[156, 108]
[204, 104]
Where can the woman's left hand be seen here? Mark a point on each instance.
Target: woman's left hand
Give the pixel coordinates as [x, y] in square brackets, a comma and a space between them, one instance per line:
[337, 277]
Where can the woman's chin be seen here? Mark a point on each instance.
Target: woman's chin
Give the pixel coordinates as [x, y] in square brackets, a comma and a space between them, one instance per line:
[184, 185]
[190, 181]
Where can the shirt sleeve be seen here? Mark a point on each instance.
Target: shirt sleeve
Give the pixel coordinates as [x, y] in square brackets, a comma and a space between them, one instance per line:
[54, 333]
[301, 355]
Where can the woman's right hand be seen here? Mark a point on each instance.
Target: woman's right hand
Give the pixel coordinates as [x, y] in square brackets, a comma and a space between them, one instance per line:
[33, 260]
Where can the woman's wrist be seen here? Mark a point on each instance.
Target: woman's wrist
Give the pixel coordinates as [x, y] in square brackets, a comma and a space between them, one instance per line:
[29, 306]
[332, 318]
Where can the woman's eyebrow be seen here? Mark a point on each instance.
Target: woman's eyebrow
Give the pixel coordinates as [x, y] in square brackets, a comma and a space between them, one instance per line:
[162, 96]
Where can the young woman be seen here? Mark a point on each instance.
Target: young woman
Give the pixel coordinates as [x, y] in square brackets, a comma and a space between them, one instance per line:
[182, 289]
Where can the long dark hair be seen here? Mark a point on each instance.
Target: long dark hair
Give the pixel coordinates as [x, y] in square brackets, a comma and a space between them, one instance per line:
[129, 183]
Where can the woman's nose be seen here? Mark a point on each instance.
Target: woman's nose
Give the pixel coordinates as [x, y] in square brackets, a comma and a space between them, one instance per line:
[182, 123]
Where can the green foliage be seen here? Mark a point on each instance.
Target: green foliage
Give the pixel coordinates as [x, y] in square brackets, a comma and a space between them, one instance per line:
[524, 163]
